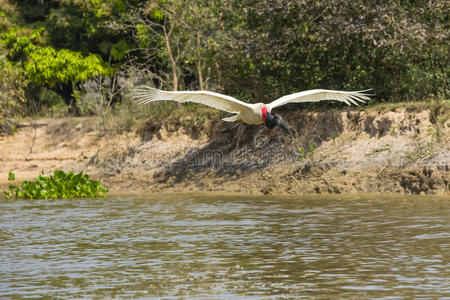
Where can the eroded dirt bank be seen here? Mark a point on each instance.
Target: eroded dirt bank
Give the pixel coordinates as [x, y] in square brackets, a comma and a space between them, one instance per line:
[396, 151]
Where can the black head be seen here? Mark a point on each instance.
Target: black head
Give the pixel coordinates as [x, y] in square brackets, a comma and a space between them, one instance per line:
[273, 120]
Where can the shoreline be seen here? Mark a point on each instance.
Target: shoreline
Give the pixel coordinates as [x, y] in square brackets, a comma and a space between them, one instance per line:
[243, 195]
[397, 151]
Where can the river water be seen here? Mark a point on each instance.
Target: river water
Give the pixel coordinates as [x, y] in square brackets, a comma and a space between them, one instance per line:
[226, 247]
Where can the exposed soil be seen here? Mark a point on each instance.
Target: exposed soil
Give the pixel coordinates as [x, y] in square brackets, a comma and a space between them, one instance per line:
[396, 151]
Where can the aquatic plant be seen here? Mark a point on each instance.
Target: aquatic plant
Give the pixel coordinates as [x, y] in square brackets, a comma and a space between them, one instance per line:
[60, 185]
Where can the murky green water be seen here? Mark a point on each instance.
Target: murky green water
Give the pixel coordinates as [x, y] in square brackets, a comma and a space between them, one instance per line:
[225, 247]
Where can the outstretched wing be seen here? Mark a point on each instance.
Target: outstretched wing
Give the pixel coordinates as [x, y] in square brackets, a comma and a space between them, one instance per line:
[226, 103]
[319, 95]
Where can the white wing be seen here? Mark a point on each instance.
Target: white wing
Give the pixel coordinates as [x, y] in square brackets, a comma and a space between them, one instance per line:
[226, 103]
[319, 95]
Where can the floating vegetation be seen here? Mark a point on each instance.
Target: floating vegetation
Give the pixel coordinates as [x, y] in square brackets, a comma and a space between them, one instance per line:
[60, 185]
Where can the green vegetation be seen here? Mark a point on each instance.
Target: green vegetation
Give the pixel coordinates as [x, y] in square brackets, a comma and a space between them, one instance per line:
[60, 185]
[308, 152]
[385, 147]
[85, 54]
[47, 67]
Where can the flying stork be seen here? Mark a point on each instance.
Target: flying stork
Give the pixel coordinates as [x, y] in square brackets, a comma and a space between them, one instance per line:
[253, 114]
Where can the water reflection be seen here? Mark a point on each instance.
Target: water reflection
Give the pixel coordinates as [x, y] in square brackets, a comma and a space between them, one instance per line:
[225, 247]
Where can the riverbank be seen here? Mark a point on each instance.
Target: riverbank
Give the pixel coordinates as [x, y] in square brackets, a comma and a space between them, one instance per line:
[399, 149]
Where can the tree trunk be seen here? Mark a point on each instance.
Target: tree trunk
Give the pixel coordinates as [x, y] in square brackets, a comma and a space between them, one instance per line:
[65, 90]
[199, 68]
[173, 64]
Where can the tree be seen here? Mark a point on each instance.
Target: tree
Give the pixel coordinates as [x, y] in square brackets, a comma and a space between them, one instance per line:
[399, 48]
[173, 39]
[45, 66]
[159, 41]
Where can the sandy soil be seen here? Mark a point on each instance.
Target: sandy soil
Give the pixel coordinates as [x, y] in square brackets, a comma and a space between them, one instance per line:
[396, 151]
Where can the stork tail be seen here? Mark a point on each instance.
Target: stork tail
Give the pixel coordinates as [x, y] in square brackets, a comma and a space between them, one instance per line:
[231, 119]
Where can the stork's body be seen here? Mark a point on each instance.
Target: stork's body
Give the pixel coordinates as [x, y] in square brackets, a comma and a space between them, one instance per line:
[253, 114]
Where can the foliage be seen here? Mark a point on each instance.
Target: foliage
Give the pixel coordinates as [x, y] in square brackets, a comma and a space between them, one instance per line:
[254, 50]
[60, 185]
[260, 50]
[46, 66]
[78, 25]
[390, 46]
[12, 94]
[20, 42]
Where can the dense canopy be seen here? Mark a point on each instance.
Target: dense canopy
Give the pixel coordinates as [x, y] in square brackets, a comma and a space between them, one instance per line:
[254, 50]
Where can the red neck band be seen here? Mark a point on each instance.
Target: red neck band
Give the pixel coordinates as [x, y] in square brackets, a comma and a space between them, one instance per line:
[264, 113]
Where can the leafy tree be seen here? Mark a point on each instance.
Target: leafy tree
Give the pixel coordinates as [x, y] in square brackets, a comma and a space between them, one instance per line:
[252, 49]
[50, 67]
[159, 36]
[45, 66]
[78, 25]
[392, 46]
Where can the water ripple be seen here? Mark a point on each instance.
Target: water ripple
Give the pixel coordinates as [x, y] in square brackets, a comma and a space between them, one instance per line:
[203, 247]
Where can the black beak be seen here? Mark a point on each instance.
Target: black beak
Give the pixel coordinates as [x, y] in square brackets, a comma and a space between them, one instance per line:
[273, 120]
[283, 126]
